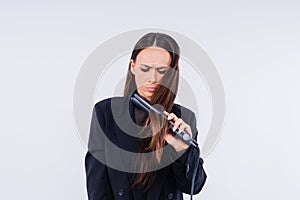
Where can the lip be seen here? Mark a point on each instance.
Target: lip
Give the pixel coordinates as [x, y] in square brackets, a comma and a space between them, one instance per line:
[150, 88]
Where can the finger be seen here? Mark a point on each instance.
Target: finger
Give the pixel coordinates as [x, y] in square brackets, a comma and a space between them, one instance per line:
[189, 130]
[177, 123]
[186, 128]
[181, 128]
[166, 113]
[172, 116]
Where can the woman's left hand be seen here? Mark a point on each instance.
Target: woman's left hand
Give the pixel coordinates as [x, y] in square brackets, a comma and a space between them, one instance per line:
[181, 125]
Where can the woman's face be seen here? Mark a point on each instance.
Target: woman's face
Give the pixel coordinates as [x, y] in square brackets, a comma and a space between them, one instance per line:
[149, 67]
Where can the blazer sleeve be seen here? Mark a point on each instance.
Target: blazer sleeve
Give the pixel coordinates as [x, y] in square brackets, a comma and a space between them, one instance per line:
[187, 163]
[97, 182]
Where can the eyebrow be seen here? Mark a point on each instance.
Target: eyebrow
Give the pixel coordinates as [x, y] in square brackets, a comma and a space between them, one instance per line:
[160, 67]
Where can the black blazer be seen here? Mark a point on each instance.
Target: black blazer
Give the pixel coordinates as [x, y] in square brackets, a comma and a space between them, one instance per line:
[105, 182]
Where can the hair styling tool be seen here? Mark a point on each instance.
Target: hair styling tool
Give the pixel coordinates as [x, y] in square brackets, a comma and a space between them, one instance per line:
[183, 136]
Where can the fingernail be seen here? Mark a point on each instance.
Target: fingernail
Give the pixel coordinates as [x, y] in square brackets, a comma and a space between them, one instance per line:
[169, 117]
[174, 128]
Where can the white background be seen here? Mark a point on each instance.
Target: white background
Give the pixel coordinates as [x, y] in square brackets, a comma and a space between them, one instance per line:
[255, 46]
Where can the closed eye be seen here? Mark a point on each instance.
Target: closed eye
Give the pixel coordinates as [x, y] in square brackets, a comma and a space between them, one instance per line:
[145, 68]
[162, 70]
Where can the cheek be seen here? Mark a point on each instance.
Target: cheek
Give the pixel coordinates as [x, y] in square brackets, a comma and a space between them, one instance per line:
[141, 77]
[159, 77]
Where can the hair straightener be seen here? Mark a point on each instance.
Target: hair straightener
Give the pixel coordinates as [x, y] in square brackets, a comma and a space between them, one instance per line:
[183, 136]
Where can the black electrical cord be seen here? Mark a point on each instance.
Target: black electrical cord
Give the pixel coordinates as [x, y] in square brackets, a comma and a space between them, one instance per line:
[194, 174]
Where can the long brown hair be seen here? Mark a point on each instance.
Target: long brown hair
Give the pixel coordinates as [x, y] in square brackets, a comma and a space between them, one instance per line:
[164, 95]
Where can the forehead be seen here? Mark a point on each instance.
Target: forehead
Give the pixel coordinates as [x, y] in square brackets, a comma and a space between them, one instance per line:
[151, 55]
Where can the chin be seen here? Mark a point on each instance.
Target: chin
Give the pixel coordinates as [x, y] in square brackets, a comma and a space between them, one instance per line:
[147, 95]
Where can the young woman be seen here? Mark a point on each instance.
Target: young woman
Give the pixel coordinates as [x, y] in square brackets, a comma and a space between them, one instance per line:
[133, 154]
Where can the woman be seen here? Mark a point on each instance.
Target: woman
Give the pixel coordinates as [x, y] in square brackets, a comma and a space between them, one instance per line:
[165, 166]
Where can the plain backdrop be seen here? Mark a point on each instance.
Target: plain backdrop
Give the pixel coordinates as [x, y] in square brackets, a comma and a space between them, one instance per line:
[255, 46]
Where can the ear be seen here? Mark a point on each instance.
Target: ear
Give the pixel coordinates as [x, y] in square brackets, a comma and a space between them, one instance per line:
[132, 66]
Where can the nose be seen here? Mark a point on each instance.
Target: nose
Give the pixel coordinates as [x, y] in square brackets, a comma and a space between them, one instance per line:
[153, 76]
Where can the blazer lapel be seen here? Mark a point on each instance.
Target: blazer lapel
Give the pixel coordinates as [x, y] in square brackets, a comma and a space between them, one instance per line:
[126, 131]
